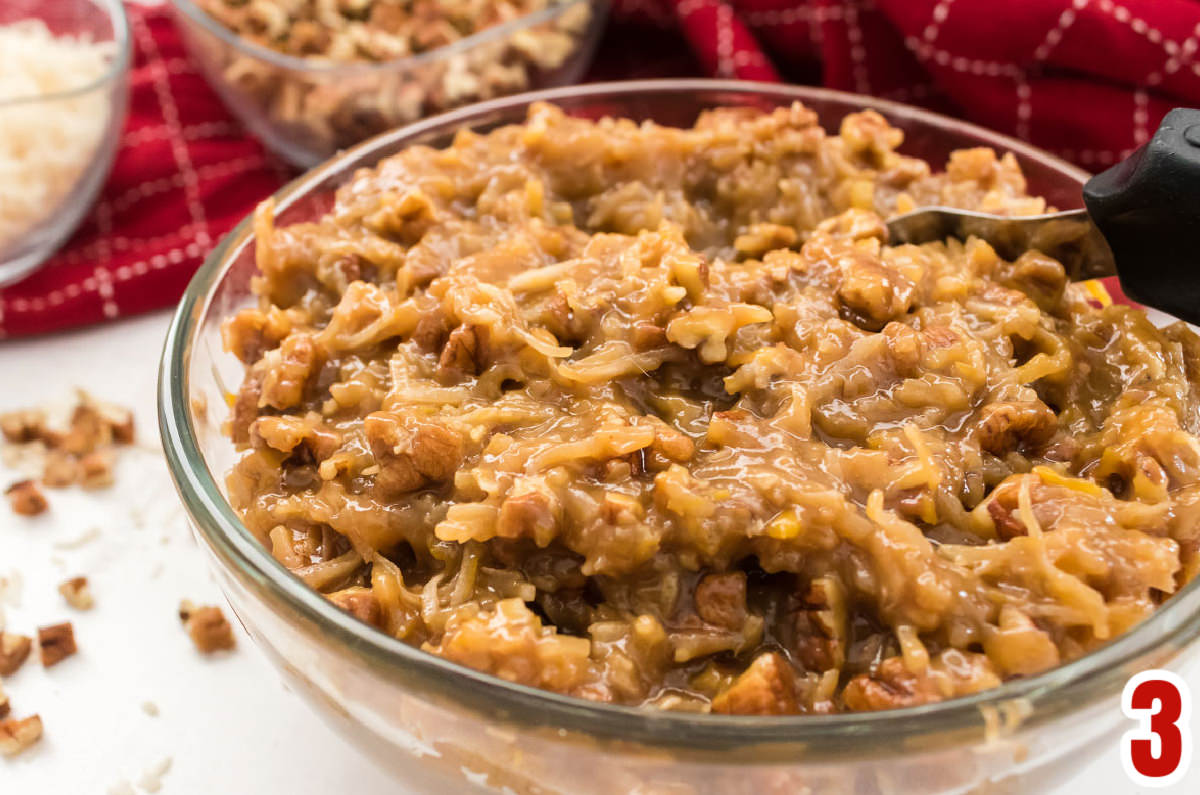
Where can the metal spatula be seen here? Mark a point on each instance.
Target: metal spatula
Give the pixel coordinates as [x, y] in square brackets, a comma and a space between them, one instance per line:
[1142, 223]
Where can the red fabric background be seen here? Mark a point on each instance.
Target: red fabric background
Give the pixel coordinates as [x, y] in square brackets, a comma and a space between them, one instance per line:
[1086, 79]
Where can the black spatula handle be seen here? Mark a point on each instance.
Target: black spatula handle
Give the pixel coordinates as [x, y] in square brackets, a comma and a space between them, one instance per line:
[1148, 208]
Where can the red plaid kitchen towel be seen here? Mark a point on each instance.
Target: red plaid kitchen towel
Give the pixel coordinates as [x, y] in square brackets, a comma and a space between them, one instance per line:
[1086, 79]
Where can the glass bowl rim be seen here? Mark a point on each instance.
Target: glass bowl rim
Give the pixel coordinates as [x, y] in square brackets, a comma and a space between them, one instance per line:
[1052, 694]
[315, 67]
[122, 37]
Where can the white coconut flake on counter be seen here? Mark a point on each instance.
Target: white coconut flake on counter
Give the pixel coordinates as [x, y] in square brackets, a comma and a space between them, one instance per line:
[151, 779]
[48, 135]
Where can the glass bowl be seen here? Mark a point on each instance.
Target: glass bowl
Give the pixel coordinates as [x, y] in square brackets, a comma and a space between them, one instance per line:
[306, 109]
[69, 193]
[443, 727]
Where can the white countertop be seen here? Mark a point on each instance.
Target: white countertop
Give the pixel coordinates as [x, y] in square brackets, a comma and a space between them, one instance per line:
[227, 723]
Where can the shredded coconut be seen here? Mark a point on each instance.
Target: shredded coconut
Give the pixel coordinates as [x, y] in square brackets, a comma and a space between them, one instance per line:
[151, 778]
[10, 588]
[46, 146]
[85, 538]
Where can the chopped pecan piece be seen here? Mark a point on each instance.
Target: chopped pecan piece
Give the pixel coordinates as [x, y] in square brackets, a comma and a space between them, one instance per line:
[758, 239]
[891, 686]
[88, 430]
[711, 329]
[96, 424]
[1002, 508]
[647, 336]
[767, 687]
[14, 649]
[1006, 426]
[411, 452]
[1061, 448]
[26, 498]
[56, 643]
[245, 408]
[671, 444]
[207, 627]
[721, 599]
[293, 365]
[940, 336]
[531, 511]
[1018, 646]
[17, 734]
[5, 707]
[21, 427]
[435, 451]
[390, 18]
[80, 454]
[564, 322]
[467, 352]
[252, 332]
[950, 674]
[856, 224]
[431, 332]
[869, 135]
[311, 38]
[871, 294]
[821, 626]
[78, 593]
[96, 470]
[120, 420]
[360, 603]
[904, 345]
[285, 434]
[61, 469]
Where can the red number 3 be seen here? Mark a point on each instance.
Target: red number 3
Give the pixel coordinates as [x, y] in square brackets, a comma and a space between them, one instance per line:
[1158, 752]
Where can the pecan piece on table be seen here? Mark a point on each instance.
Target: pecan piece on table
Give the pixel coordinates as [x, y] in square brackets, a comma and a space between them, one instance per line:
[26, 498]
[56, 643]
[14, 649]
[17, 734]
[207, 627]
[78, 593]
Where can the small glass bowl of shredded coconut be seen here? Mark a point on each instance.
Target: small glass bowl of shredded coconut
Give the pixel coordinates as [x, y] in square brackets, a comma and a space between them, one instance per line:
[63, 92]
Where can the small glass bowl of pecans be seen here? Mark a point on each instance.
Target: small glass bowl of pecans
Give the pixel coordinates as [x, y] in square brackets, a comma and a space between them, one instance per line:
[310, 78]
